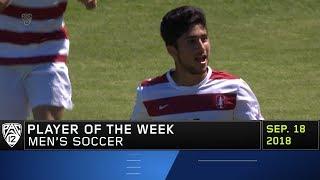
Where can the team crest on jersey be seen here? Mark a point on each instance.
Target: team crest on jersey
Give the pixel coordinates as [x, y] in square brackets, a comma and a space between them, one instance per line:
[11, 133]
[26, 18]
[220, 101]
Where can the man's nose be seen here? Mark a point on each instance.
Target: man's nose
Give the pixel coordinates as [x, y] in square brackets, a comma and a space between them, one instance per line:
[200, 45]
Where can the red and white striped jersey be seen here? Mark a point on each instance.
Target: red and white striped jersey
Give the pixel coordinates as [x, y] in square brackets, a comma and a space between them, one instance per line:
[33, 31]
[220, 96]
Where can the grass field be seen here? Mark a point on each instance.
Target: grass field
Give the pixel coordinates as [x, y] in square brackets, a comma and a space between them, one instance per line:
[274, 45]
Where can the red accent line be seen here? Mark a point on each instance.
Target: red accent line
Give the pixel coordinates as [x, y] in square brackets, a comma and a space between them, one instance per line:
[33, 60]
[222, 75]
[37, 13]
[154, 81]
[28, 38]
[189, 103]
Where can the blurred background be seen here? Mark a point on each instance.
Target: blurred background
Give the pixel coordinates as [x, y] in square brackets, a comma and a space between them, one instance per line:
[273, 45]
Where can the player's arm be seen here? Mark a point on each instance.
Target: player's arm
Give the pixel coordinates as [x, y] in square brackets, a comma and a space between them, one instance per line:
[247, 107]
[139, 111]
[89, 4]
[4, 4]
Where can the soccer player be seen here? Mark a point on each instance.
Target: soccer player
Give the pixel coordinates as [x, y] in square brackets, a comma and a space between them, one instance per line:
[193, 90]
[33, 52]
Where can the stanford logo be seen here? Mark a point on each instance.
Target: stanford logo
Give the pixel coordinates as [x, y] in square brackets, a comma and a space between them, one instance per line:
[220, 101]
[26, 18]
[11, 133]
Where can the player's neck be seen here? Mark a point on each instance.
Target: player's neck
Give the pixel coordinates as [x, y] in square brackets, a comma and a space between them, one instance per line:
[187, 79]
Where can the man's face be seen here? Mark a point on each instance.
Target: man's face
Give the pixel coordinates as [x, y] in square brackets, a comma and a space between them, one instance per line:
[192, 51]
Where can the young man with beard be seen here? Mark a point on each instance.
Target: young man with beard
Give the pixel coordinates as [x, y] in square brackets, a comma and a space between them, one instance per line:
[193, 90]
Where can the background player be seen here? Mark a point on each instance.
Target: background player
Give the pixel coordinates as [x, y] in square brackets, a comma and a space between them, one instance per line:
[193, 91]
[33, 51]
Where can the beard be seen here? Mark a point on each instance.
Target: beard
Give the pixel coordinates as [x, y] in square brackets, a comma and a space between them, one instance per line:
[191, 68]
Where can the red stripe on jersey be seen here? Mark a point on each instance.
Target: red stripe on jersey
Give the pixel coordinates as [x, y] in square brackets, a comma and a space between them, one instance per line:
[190, 103]
[154, 81]
[37, 13]
[222, 75]
[33, 60]
[28, 38]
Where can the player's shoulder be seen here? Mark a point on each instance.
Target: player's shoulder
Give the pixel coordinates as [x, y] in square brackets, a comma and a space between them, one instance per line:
[155, 81]
[219, 75]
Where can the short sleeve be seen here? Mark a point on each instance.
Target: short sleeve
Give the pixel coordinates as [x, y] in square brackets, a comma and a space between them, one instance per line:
[139, 111]
[247, 107]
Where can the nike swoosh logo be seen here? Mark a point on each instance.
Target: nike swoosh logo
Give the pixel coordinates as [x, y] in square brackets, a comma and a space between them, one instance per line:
[161, 107]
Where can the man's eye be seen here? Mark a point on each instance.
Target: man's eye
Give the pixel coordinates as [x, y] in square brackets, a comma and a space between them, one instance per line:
[204, 39]
[191, 41]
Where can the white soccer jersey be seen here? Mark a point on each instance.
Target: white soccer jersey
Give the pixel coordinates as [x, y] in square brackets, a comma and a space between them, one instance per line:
[220, 96]
[32, 31]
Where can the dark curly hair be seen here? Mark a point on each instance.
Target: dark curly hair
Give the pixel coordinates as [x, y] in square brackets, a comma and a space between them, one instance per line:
[178, 21]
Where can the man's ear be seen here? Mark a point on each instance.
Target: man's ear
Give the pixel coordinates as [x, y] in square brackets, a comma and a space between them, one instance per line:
[172, 50]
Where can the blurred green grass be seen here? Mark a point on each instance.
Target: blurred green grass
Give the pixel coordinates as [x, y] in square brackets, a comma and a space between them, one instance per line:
[273, 45]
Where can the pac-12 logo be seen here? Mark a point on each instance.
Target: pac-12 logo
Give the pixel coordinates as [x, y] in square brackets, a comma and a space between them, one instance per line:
[11, 133]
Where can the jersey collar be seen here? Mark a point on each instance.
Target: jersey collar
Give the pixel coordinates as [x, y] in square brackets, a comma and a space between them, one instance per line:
[194, 87]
